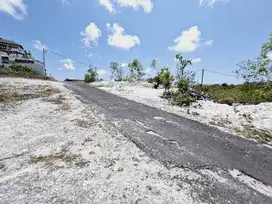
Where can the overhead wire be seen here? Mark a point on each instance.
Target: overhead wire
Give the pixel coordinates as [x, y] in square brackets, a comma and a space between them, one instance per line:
[63, 56]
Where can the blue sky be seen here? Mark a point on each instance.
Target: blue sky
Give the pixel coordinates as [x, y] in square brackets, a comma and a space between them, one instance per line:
[217, 34]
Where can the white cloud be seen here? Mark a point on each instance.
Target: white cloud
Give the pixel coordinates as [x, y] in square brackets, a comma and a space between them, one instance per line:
[147, 5]
[16, 8]
[39, 46]
[189, 40]
[123, 65]
[211, 3]
[120, 39]
[91, 35]
[148, 70]
[102, 72]
[65, 2]
[196, 60]
[93, 55]
[209, 42]
[108, 5]
[67, 64]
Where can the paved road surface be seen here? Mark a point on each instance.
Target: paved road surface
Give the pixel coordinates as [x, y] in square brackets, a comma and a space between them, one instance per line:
[179, 142]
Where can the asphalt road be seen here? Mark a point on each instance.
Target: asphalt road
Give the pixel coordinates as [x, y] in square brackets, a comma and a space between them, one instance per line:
[180, 142]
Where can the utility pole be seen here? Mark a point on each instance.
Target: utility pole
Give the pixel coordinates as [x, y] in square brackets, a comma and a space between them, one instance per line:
[44, 61]
[202, 77]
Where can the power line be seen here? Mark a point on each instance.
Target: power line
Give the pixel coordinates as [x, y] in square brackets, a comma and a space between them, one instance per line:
[219, 73]
[63, 56]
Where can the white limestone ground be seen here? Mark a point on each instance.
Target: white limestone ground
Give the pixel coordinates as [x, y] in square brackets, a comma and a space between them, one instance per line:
[243, 120]
[55, 149]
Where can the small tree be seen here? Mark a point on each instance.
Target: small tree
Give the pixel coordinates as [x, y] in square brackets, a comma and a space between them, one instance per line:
[117, 71]
[91, 75]
[154, 65]
[167, 79]
[181, 65]
[155, 80]
[259, 69]
[136, 70]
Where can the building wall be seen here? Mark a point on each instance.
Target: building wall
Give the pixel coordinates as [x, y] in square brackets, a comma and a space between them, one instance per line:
[37, 67]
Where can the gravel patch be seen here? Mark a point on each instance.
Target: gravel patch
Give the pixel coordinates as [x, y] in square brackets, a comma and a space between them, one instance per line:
[51, 154]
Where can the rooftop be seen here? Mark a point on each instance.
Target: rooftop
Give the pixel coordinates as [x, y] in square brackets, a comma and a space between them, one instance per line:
[4, 41]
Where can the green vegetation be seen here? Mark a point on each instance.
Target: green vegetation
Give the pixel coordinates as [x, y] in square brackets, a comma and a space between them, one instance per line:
[18, 70]
[248, 93]
[68, 158]
[258, 69]
[91, 75]
[166, 79]
[157, 80]
[49, 92]
[136, 70]
[117, 71]
[181, 65]
[16, 95]
[257, 74]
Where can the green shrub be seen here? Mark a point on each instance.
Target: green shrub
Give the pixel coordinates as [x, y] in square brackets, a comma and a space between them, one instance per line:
[91, 75]
[181, 99]
[166, 79]
[248, 93]
[183, 85]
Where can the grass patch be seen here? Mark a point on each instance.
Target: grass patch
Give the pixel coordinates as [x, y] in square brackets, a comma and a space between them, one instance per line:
[249, 93]
[18, 70]
[260, 136]
[59, 100]
[68, 158]
[85, 123]
[7, 96]
[48, 92]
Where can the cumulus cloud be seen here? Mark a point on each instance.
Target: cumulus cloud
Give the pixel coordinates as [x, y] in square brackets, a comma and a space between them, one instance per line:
[110, 5]
[39, 46]
[211, 3]
[196, 60]
[102, 72]
[147, 5]
[16, 8]
[119, 39]
[189, 41]
[67, 64]
[91, 35]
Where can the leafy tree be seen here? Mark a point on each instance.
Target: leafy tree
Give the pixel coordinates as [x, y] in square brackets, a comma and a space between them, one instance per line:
[258, 69]
[166, 79]
[117, 71]
[91, 75]
[181, 65]
[154, 65]
[136, 70]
